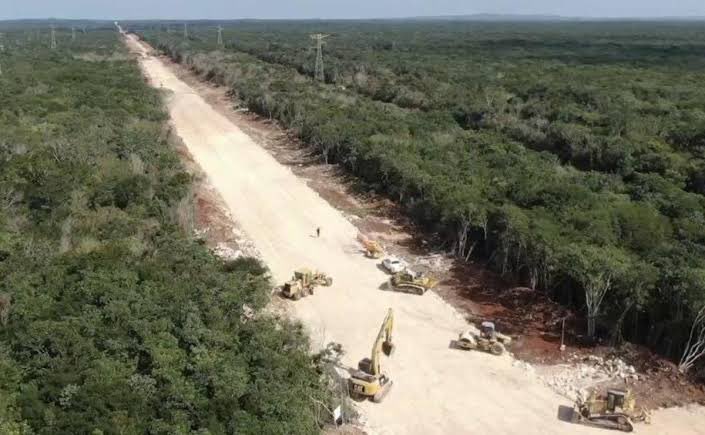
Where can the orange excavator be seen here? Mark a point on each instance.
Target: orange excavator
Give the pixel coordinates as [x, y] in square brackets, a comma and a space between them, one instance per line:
[373, 248]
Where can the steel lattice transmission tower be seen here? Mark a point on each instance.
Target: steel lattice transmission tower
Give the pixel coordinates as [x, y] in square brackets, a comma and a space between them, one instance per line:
[220, 36]
[53, 37]
[185, 31]
[73, 34]
[318, 72]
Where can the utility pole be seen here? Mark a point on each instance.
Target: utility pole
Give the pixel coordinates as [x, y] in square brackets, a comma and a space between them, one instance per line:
[185, 31]
[220, 36]
[53, 38]
[318, 72]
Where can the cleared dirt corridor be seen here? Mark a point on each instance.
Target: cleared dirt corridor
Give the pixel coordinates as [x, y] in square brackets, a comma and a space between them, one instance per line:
[437, 390]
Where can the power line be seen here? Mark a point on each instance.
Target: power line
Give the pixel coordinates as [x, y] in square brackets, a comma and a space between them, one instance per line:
[318, 72]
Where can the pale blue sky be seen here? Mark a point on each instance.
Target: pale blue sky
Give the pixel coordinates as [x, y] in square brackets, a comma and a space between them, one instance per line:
[224, 9]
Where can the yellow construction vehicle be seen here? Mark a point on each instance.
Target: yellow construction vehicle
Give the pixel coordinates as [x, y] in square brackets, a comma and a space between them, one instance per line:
[373, 249]
[614, 410]
[488, 340]
[410, 282]
[368, 381]
[303, 282]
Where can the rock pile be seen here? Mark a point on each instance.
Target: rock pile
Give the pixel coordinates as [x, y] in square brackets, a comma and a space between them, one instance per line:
[585, 372]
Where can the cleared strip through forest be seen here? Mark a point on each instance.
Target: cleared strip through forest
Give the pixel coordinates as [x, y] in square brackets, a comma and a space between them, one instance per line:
[437, 389]
[640, 240]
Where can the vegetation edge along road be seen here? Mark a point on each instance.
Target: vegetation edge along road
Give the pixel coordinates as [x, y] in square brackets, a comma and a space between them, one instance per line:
[113, 317]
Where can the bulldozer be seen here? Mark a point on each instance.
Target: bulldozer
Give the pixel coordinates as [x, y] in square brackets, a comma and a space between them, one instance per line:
[368, 381]
[303, 282]
[410, 282]
[373, 248]
[488, 340]
[616, 409]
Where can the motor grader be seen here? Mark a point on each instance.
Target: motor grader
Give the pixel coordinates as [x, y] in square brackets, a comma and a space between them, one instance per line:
[616, 409]
[373, 248]
[488, 340]
[368, 381]
[410, 282]
[303, 282]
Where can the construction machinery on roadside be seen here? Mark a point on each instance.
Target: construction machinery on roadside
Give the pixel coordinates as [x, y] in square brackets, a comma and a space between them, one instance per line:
[616, 409]
[303, 283]
[488, 340]
[410, 282]
[368, 381]
[373, 248]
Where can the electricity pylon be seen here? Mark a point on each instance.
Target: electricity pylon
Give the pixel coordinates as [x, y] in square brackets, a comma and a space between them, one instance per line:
[73, 34]
[185, 31]
[220, 36]
[53, 37]
[318, 72]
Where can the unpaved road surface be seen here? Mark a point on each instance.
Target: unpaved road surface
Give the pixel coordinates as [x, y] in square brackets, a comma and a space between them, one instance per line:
[437, 390]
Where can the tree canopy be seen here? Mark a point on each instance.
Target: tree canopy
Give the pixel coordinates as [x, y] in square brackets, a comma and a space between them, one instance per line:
[113, 318]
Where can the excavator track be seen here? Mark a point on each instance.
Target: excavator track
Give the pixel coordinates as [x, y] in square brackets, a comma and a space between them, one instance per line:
[410, 288]
[619, 422]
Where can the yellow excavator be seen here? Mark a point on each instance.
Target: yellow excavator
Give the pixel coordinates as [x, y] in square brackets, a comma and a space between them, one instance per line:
[368, 381]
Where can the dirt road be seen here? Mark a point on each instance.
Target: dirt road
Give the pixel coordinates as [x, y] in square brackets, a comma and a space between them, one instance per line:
[437, 390]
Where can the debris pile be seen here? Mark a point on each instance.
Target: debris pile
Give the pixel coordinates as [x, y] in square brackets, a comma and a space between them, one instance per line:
[226, 252]
[585, 372]
[436, 262]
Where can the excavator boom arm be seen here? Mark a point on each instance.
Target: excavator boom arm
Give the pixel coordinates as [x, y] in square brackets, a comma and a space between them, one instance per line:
[383, 337]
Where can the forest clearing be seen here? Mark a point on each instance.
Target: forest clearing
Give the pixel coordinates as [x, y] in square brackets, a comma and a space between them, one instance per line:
[343, 314]
[203, 224]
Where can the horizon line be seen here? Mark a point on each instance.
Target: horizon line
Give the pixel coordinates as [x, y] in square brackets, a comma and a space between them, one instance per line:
[468, 17]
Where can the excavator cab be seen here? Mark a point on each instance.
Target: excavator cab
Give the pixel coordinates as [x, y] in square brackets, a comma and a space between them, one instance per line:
[615, 399]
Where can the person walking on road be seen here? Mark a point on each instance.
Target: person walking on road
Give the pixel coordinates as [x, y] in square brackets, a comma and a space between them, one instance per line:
[318, 232]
